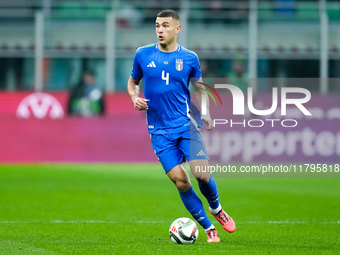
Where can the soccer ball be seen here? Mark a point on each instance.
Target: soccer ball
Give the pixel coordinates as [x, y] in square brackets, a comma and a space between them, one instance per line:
[183, 231]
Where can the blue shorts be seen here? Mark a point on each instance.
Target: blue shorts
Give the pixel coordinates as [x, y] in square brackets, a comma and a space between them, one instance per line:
[173, 149]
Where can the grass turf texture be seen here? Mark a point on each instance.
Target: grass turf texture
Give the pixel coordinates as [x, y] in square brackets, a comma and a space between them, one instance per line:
[127, 209]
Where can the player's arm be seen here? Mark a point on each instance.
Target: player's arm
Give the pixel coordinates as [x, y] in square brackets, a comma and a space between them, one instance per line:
[133, 90]
[199, 92]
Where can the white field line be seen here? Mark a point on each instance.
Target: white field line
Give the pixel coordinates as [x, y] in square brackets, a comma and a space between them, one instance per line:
[287, 222]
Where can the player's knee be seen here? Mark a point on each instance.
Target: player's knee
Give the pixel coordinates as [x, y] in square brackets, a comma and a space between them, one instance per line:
[203, 179]
[182, 186]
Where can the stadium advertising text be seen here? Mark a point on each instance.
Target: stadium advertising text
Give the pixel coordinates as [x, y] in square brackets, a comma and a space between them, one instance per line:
[270, 145]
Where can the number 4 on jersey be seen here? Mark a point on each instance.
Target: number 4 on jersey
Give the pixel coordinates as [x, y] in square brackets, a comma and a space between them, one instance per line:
[165, 77]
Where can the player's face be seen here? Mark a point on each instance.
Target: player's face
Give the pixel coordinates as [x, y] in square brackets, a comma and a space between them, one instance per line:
[166, 29]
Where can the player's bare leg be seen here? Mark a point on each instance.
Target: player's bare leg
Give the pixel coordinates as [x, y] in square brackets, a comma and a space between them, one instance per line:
[180, 178]
[209, 190]
[196, 164]
[191, 201]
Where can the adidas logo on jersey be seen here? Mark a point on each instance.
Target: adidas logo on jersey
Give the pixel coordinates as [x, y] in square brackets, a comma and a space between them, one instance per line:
[201, 153]
[152, 64]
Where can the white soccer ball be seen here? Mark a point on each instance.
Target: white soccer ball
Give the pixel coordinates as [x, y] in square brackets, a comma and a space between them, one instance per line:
[183, 231]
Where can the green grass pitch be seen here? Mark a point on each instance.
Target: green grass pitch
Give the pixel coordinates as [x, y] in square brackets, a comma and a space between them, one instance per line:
[127, 209]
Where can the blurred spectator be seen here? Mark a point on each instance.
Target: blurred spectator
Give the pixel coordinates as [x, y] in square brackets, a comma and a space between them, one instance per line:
[128, 16]
[238, 75]
[86, 99]
[216, 5]
[216, 11]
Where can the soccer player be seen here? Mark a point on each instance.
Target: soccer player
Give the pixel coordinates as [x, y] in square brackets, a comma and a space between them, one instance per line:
[167, 69]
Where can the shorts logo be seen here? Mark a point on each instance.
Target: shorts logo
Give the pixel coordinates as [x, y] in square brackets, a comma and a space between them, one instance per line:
[201, 153]
[179, 64]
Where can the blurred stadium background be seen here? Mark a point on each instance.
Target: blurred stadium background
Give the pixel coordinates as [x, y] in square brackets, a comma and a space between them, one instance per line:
[90, 208]
[46, 45]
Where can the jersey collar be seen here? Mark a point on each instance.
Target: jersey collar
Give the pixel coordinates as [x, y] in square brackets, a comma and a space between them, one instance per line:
[178, 48]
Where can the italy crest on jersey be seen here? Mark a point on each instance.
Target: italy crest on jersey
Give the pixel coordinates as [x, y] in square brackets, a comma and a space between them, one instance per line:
[179, 64]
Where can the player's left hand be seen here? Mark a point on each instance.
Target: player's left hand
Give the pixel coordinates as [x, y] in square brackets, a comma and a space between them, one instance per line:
[208, 121]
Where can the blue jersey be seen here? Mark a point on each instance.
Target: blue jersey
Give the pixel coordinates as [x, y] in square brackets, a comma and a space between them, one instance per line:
[166, 83]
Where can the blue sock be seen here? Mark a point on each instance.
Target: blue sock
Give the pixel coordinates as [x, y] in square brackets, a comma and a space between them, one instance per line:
[209, 190]
[194, 205]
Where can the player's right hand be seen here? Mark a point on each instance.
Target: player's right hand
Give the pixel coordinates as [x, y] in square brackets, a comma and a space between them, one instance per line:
[208, 121]
[140, 104]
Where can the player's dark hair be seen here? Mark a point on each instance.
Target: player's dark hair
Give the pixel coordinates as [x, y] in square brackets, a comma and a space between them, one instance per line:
[168, 13]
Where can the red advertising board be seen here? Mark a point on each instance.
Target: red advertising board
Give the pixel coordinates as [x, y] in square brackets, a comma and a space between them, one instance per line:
[39, 133]
[34, 127]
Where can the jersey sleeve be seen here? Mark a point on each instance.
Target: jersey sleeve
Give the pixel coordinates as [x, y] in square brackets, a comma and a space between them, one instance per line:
[195, 69]
[137, 72]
